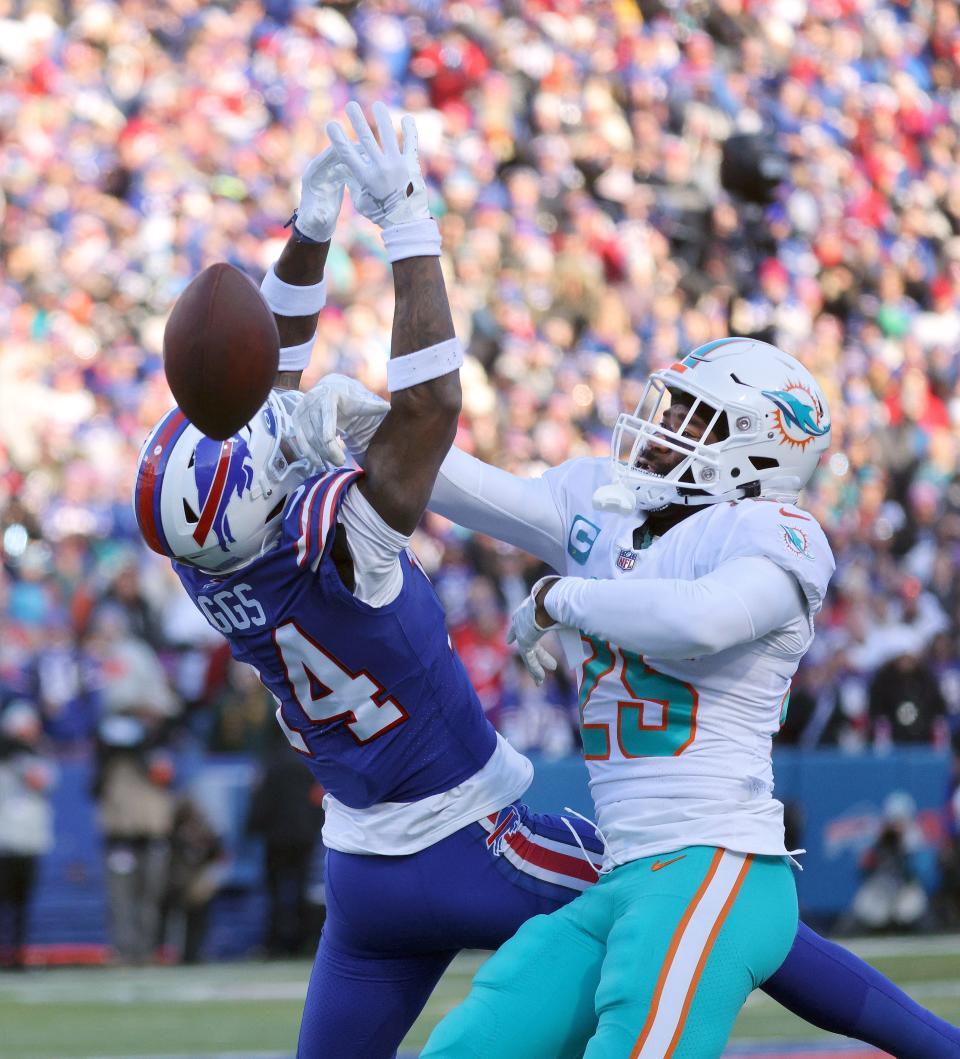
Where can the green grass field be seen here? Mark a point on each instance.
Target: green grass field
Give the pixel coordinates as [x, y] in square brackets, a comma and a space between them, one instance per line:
[252, 1009]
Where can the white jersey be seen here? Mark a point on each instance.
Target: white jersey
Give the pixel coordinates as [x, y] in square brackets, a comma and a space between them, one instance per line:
[679, 750]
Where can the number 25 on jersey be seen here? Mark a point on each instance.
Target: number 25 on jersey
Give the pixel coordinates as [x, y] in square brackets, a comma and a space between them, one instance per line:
[654, 715]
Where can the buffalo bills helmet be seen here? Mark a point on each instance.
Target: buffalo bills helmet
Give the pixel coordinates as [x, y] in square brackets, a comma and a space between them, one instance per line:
[217, 504]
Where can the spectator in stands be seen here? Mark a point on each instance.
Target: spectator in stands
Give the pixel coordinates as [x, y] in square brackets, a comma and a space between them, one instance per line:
[286, 811]
[891, 895]
[906, 705]
[125, 592]
[948, 895]
[536, 721]
[26, 822]
[132, 679]
[480, 641]
[241, 713]
[196, 864]
[132, 783]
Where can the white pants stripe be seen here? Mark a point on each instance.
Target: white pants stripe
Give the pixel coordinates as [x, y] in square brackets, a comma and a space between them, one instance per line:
[687, 954]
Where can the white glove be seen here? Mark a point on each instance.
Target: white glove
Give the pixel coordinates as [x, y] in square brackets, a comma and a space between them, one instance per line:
[337, 405]
[321, 195]
[526, 633]
[386, 185]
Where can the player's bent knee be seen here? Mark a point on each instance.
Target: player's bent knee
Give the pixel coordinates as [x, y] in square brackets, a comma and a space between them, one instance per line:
[463, 1034]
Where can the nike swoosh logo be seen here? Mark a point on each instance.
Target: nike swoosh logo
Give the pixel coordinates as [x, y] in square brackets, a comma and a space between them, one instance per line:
[793, 514]
[658, 864]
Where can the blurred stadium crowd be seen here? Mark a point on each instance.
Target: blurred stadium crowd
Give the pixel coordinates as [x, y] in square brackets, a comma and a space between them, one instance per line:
[574, 155]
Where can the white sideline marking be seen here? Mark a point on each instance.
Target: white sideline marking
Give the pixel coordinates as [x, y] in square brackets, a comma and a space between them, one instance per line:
[937, 989]
[201, 1055]
[32, 990]
[881, 948]
[146, 992]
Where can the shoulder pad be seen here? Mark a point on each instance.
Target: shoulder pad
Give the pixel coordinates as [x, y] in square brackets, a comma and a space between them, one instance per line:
[311, 512]
[788, 536]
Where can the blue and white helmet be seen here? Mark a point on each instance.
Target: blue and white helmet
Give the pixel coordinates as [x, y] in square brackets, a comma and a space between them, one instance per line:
[766, 415]
[217, 504]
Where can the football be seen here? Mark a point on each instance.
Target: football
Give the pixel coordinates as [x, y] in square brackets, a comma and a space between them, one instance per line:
[220, 350]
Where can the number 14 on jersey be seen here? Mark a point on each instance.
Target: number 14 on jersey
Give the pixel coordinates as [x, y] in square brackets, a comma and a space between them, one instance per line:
[327, 691]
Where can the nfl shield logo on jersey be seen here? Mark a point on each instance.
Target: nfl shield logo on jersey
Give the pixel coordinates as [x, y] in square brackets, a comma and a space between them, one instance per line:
[627, 559]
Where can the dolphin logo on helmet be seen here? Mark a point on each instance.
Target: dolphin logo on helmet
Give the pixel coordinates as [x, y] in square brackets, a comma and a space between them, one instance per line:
[798, 414]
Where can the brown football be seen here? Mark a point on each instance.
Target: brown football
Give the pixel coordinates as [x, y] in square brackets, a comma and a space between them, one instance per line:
[220, 350]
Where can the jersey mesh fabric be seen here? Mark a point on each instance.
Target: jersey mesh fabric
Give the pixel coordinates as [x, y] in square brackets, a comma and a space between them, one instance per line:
[375, 699]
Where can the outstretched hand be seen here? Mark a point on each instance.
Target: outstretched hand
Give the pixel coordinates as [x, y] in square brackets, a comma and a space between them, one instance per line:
[526, 630]
[385, 182]
[337, 406]
[321, 195]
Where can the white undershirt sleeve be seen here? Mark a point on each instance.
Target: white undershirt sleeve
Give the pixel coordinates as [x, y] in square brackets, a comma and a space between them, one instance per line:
[740, 601]
[518, 511]
[375, 549]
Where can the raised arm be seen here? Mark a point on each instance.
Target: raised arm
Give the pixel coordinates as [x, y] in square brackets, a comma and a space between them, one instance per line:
[519, 511]
[294, 286]
[483, 498]
[387, 186]
[406, 452]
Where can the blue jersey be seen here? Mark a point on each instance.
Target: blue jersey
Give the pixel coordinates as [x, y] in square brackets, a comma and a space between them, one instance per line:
[375, 698]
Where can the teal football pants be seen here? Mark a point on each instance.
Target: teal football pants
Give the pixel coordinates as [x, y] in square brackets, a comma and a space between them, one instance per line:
[655, 961]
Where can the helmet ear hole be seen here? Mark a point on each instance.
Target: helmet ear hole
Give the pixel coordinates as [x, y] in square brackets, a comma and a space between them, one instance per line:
[763, 463]
[277, 508]
[189, 513]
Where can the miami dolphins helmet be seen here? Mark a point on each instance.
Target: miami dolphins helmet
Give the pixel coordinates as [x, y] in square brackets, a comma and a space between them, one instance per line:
[756, 425]
[217, 504]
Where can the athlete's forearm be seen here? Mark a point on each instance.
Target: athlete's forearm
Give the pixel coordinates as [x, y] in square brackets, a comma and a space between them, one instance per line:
[668, 618]
[301, 265]
[421, 316]
[483, 498]
[406, 452]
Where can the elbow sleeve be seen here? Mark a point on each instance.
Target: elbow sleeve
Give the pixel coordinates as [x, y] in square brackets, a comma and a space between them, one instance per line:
[518, 511]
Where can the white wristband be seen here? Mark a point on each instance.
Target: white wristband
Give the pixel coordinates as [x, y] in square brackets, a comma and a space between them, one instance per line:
[295, 358]
[414, 239]
[424, 365]
[287, 299]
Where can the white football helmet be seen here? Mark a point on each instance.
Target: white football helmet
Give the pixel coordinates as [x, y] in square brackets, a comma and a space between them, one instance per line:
[217, 504]
[767, 423]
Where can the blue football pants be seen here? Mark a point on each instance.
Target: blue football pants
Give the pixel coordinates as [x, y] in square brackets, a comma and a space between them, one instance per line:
[395, 923]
